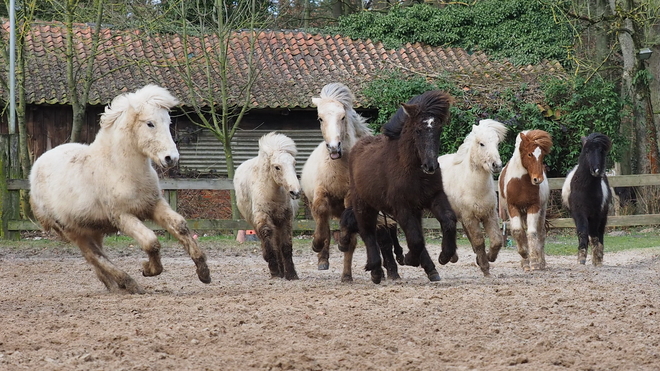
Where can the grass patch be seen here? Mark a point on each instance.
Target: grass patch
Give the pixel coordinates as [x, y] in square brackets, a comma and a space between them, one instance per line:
[558, 242]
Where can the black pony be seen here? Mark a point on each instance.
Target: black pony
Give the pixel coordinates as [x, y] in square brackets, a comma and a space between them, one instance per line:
[397, 173]
[587, 195]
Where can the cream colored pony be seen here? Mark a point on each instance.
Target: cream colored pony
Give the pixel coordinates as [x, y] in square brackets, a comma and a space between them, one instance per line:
[467, 177]
[86, 191]
[267, 192]
[324, 176]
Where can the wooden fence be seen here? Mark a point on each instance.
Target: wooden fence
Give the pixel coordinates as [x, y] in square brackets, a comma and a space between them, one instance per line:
[171, 185]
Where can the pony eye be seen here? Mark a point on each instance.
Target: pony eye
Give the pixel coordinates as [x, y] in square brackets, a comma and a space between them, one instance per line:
[150, 124]
[320, 119]
[278, 168]
[529, 155]
[481, 144]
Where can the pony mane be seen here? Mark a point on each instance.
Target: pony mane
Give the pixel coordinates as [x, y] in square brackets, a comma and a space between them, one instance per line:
[342, 94]
[274, 142]
[540, 138]
[432, 102]
[598, 139]
[487, 125]
[499, 128]
[149, 95]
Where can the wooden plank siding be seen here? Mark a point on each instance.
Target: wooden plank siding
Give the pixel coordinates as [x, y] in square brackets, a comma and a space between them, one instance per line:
[171, 185]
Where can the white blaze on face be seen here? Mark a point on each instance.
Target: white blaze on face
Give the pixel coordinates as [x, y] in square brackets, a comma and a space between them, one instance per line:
[429, 122]
[537, 152]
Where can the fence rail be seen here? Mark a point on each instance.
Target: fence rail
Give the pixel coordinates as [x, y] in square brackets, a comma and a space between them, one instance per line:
[170, 186]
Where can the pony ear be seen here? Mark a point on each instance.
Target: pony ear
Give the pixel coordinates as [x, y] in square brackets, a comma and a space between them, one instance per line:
[316, 101]
[584, 140]
[410, 109]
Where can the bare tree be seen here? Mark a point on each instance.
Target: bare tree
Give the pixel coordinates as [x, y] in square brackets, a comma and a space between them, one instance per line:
[79, 68]
[217, 101]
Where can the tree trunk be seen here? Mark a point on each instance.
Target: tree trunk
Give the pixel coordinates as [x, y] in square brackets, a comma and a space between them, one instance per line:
[642, 154]
[235, 214]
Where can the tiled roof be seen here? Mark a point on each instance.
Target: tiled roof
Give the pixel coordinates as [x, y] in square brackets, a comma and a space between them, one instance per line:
[293, 65]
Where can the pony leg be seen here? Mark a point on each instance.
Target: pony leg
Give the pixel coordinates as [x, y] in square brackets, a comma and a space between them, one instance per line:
[473, 231]
[494, 232]
[347, 241]
[519, 235]
[535, 236]
[112, 277]
[386, 245]
[582, 230]
[264, 227]
[176, 225]
[441, 209]
[286, 248]
[398, 250]
[596, 234]
[321, 239]
[146, 238]
[417, 253]
[367, 220]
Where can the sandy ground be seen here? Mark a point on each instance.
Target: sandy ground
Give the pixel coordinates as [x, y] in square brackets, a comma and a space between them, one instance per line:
[56, 315]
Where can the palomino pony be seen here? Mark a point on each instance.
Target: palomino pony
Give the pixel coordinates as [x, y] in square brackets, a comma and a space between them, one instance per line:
[267, 192]
[474, 198]
[398, 173]
[83, 192]
[587, 194]
[324, 177]
[524, 193]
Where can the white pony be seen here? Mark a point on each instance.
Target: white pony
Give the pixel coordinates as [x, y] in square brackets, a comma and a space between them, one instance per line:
[267, 192]
[467, 177]
[324, 177]
[86, 191]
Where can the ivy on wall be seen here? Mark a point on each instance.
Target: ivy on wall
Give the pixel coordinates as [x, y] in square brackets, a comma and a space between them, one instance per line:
[523, 31]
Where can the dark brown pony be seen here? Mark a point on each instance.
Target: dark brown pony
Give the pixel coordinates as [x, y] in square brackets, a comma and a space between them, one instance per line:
[397, 173]
[524, 193]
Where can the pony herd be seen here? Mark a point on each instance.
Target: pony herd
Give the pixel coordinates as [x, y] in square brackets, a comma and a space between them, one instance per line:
[371, 182]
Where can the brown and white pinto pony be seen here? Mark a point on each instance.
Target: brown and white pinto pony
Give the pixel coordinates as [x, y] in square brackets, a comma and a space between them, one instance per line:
[83, 192]
[524, 193]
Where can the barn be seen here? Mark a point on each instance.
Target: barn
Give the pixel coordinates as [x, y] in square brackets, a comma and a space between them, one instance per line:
[292, 66]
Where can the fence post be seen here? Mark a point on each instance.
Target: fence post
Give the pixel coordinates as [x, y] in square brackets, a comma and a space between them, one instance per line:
[9, 200]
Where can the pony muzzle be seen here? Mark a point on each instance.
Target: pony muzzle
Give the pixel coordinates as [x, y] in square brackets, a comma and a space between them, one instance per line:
[168, 160]
[294, 194]
[430, 169]
[334, 150]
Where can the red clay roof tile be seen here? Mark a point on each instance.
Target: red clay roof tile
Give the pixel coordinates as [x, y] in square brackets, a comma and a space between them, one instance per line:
[292, 65]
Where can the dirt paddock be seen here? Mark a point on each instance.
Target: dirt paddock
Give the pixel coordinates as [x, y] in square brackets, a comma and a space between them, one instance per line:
[56, 315]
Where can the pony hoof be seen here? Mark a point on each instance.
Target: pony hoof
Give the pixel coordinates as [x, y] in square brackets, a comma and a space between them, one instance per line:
[393, 277]
[324, 266]
[291, 277]
[434, 276]
[204, 274]
[454, 258]
[149, 270]
[582, 261]
[346, 278]
[444, 259]
[492, 257]
[376, 276]
[400, 260]
[411, 261]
